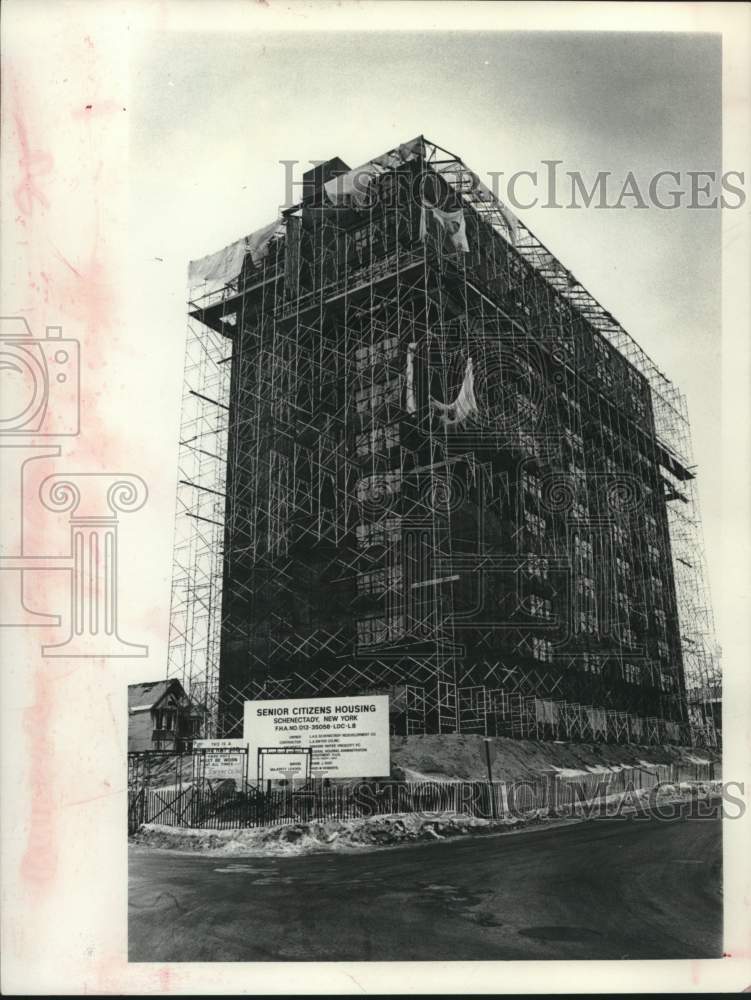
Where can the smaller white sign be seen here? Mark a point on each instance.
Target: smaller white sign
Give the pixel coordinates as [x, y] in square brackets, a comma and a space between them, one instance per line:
[219, 759]
[288, 766]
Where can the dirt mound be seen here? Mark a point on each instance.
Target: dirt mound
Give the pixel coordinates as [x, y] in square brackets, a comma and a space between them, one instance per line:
[451, 757]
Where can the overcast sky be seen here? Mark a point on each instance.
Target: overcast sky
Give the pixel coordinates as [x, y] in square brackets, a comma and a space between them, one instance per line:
[213, 114]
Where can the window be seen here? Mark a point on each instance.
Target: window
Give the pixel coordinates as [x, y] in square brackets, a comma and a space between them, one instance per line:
[377, 394]
[638, 405]
[377, 440]
[662, 650]
[628, 637]
[601, 349]
[526, 409]
[619, 535]
[579, 511]
[605, 375]
[362, 444]
[634, 378]
[572, 406]
[374, 488]
[654, 553]
[529, 444]
[362, 399]
[377, 581]
[582, 554]
[360, 240]
[539, 607]
[660, 618]
[591, 663]
[371, 354]
[531, 484]
[371, 631]
[579, 476]
[391, 435]
[631, 673]
[387, 530]
[588, 622]
[573, 440]
[666, 681]
[537, 567]
[542, 649]
[624, 604]
[535, 525]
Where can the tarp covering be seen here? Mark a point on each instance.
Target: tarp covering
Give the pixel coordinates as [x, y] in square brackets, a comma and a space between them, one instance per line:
[453, 223]
[483, 193]
[452, 414]
[597, 719]
[465, 405]
[546, 711]
[217, 269]
[353, 187]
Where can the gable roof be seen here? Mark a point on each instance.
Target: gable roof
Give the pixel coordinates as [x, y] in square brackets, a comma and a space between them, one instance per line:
[144, 696]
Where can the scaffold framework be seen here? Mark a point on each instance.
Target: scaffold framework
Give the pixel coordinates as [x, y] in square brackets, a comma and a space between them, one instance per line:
[299, 432]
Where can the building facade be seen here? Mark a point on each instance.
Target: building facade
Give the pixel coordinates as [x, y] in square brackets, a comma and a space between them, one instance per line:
[443, 478]
[161, 716]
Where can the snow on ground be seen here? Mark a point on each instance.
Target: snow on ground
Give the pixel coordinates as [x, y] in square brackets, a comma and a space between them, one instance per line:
[394, 829]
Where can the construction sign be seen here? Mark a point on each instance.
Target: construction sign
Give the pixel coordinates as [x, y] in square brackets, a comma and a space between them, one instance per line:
[348, 737]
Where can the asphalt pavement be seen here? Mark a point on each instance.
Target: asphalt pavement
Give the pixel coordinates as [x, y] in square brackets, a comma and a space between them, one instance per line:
[605, 889]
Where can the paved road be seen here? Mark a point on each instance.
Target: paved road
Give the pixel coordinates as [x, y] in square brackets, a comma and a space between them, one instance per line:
[607, 889]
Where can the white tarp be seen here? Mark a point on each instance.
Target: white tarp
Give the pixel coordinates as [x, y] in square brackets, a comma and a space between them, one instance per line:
[217, 269]
[597, 719]
[452, 414]
[353, 187]
[465, 405]
[546, 711]
[452, 223]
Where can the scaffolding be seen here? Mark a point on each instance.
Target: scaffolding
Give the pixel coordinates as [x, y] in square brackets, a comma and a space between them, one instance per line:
[333, 461]
[195, 619]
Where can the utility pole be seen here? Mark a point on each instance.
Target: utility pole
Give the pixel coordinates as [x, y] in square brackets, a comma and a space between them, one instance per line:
[487, 742]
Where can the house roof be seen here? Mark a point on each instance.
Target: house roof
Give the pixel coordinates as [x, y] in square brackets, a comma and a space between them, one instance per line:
[144, 696]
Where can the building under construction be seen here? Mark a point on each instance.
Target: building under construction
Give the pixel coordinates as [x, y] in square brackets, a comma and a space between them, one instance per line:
[418, 458]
